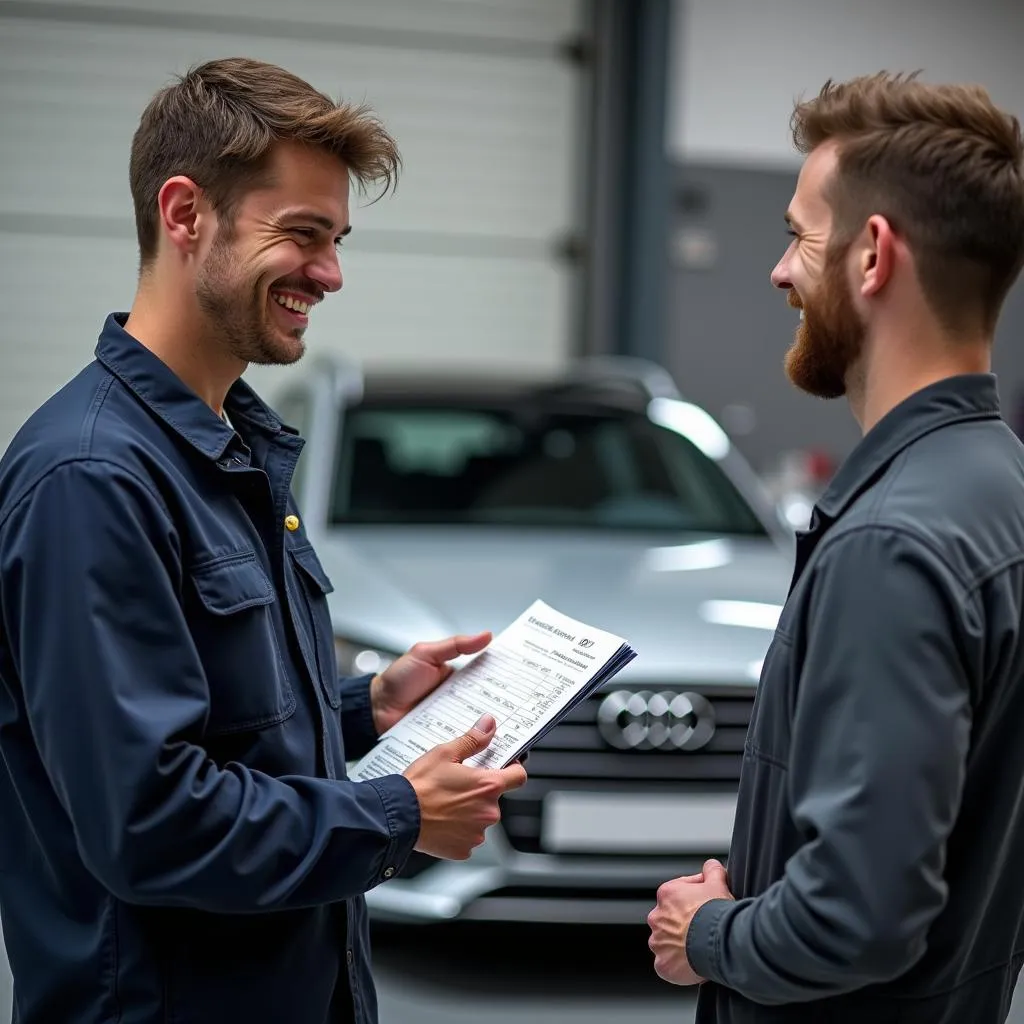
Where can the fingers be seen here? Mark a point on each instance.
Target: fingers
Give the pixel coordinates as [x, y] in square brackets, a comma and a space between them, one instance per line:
[714, 871]
[440, 651]
[472, 644]
[670, 891]
[475, 740]
[512, 777]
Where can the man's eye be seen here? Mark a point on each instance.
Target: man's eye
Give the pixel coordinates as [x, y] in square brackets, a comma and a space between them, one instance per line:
[307, 233]
[792, 233]
[339, 242]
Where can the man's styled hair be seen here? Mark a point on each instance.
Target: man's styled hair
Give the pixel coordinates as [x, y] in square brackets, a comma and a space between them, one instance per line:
[944, 166]
[218, 123]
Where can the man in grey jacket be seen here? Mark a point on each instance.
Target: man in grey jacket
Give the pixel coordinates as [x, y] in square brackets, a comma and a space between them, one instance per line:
[877, 866]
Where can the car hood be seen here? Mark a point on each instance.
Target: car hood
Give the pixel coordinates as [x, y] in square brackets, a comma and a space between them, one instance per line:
[695, 610]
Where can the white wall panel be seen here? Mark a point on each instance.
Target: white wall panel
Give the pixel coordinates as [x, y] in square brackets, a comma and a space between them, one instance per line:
[517, 20]
[489, 142]
[738, 65]
[458, 265]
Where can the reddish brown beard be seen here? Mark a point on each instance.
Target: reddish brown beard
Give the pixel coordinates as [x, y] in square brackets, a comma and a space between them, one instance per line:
[830, 337]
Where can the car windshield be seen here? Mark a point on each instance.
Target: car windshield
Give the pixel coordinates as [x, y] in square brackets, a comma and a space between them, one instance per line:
[530, 466]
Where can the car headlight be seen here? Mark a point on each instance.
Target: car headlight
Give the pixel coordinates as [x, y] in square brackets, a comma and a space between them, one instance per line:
[357, 659]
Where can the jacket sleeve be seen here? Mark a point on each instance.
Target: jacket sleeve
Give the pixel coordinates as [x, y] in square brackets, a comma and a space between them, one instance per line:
[116, 699]
[880, 736]
[358, 732]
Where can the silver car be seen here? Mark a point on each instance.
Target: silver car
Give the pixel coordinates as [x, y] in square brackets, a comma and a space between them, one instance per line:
[448, 504]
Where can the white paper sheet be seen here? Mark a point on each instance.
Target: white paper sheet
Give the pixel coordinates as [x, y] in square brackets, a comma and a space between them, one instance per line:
[526, 678]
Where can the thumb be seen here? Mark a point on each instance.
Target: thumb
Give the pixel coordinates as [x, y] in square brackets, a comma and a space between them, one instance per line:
[714, 871]
[475, 740]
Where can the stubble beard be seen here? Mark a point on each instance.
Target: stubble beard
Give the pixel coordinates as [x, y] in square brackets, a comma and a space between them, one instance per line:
[237, 312]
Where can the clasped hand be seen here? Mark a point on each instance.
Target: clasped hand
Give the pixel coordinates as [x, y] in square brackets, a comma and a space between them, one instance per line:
[670, 920]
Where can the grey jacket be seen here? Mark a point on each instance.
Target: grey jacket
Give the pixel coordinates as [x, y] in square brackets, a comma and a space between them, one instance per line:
[878, 854]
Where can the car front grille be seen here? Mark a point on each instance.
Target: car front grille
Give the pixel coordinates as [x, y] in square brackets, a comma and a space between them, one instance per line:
[575, 756]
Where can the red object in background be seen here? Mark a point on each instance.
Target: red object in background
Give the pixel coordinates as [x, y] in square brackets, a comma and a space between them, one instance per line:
[820, 466]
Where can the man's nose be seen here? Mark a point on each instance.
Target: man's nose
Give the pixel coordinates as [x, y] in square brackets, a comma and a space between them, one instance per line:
[780, 275]
[326, 272]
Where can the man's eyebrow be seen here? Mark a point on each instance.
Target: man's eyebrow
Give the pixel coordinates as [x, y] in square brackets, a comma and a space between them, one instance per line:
[317, 218]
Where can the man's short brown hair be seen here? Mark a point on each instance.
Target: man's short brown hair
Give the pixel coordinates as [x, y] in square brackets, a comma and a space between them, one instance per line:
[218, 123]
[944, 166]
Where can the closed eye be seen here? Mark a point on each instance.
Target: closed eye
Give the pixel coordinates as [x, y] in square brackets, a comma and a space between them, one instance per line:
[306, 233]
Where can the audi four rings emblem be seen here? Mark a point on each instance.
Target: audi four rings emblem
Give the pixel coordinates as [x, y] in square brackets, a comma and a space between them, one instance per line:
[643, 720]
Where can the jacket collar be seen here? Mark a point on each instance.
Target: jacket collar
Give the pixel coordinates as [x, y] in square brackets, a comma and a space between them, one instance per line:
[952, 400]
[162, 391]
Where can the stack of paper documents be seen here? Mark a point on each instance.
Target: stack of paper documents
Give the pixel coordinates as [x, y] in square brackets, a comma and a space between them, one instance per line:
[529, 677]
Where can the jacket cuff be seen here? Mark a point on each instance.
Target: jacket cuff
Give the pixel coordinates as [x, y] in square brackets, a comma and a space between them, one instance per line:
[703, 940]
[358, 732]
[402, 810]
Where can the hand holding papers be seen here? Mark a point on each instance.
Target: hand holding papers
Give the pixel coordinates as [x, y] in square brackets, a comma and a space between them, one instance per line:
[459, 803]
[528, 679]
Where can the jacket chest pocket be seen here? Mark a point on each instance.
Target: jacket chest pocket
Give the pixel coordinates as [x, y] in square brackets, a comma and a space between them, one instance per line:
[314, 585]
[235, 628]
[769, 733]
[769, 736]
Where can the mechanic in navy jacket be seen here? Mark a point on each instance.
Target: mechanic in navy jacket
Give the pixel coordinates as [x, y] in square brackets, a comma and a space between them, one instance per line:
[179, 840]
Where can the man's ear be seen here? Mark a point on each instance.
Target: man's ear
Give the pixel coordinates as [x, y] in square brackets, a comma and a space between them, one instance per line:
[182, 205]
[876, 256]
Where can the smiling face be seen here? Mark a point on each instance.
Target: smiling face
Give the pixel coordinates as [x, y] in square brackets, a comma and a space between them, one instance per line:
[831, 336]
[277, 258]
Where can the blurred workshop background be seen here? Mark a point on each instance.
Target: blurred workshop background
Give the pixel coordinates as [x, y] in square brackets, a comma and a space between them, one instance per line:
[583, 178]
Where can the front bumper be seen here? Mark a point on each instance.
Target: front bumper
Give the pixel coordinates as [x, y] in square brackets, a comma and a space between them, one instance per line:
[641, 817]
[499, 883]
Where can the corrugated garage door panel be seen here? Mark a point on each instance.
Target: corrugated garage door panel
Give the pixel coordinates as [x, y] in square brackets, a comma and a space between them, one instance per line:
[460, 264]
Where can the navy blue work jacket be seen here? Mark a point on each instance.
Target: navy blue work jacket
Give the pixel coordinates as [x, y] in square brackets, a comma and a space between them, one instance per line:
[178, 841]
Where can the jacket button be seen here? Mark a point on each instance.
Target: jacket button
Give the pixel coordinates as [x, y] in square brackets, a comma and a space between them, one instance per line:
[388, 872]
[291, 523]
[349, 956]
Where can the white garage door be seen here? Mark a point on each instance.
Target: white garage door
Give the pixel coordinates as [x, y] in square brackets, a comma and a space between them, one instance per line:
[460, 265]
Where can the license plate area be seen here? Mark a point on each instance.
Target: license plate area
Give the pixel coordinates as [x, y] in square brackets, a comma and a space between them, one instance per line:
[683, 823]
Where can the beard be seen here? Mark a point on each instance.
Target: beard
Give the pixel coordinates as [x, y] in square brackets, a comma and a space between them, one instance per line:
[238, 311]
[830, 338]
